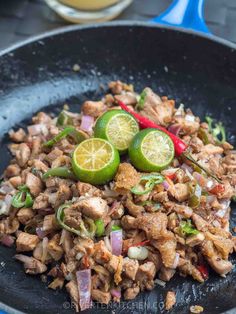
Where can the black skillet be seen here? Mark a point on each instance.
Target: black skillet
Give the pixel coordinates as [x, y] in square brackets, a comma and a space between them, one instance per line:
[37, 75]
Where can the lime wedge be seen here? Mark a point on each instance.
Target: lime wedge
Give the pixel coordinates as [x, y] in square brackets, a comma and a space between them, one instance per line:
[151, 150]
[95, 161]
[118, 127]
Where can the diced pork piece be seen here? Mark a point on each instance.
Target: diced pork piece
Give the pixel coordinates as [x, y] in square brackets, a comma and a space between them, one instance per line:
[93, 108]
[72, 289]
[32, 266]
[126, 178]
[128, 222]
[224, 246]
[157, 109]
[179, 191]
[199, 222]
[131, 293]
[130, 267]
[220, 266]
[166, 274]
[86, 189]
[113, 264]
[187, 268]
[41, 201]
[8, 226]
[50, 223]
[57, 283]
[128, 98]
[101, 253]
[93, 207]
[55, 153]
[155, 257]
[54, 249]
[24, 215]
[26, 242]
[39, 165]
[42, 118]
[170, 300]
[15, 181]
[195, 239]
[167, 248]
[22, 154]
[17, 136]
[210, 150]
[100, 296]
[146, 271]
[161, 197]
[133, 209]
[117, 87]
[12, 171]
[72, 217]
[34, 184]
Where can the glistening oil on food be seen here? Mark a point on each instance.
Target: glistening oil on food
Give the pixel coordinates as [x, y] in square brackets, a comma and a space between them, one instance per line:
[116, 199]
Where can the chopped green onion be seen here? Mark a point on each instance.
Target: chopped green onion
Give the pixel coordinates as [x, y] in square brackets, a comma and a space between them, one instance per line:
[218, 132]
[100, 228]
[151, 180]
[115, 228]
[22, 198]
[187, 228]
[64, 119]
[68, 130]
[141, 100]
[87, 227]
[62, 172]
[202, 134]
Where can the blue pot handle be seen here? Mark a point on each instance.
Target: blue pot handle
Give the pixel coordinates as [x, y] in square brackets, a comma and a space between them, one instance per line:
[187, 14]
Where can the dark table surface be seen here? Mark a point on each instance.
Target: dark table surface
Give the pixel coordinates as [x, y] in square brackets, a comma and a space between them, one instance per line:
[20, 19]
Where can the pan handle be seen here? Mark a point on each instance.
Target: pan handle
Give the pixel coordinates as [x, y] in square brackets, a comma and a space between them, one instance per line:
[187, 14]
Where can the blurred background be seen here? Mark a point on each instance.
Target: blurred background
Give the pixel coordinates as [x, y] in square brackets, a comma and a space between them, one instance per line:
[20, 19]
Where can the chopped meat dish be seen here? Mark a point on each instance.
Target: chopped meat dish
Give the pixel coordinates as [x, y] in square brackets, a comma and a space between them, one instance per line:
[104, 241]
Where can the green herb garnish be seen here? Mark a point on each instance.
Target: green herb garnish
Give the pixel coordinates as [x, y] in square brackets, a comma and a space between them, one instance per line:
[22, 198]
[187, 228]
[217, 130]
[150, 181]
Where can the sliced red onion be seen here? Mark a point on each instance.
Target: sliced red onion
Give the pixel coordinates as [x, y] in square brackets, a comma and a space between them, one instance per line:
[116, 242]
[6, 189]
[176, 261]
[165, 185]
[37, 129]
[87, 123]
[84, 287]
[189, 118]
[115, 293]
[7, 240]
[175, 129]
[186, 168]
[40, 232]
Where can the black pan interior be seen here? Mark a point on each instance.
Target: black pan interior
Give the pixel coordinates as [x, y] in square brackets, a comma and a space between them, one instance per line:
[38, 76]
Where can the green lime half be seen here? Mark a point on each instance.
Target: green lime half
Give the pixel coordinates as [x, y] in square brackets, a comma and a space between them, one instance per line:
[118, 127]
[95, 161]
[151, 150]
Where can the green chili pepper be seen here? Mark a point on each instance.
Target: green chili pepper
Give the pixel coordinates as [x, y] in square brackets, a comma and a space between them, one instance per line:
[62, 172]
[22, 198]
[64, 119]
[218, 132]
[100, 228]
[234, 198]
[187, 228]
[78, 136]
[115, 228]
[83, 231]
[195, 198]
[68, 130]
[151, 180]
[202, 134]
[141, 100]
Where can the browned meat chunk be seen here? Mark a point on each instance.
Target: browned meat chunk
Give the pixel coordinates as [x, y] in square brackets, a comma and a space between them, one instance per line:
[170, 300]
[12, 171]
[72, 217]
[22, 154]
[126, 178]
[130, 267]
[32, 266]
[17, 136]
[54, 249]
[93, 108]
[199, 222]
[195, 239]
[101, 254]
[34, 184]
[100, 296]
[55, 153]
[56, 283]
[179, 191]
[146, 272]
[93, 207]
[187, 268]
[167, 248]
[117, 87]
[166, 274]
[41, 201]
[133, 209]
[72, 289]
[26, 242]
[24, 215]
[50, 223]
[8, 225]
[128, 98]
[86, 189]
[131, 293]
[15, 181]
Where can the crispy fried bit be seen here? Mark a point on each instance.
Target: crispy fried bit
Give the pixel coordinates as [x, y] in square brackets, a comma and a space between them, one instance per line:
[126, 178]
[170, 300]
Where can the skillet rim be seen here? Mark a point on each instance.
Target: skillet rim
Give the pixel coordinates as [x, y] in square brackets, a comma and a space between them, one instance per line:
[71, 28]
[125, 23]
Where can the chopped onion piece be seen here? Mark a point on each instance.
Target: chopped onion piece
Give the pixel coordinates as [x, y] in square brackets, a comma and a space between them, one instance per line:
[138, 252]
[84, 287]
[189, 118]
[209, 184]
[79, 256]
[40, 232]
[186, 168]
[87, 123]
[115, 293]
[175, 129]
[165, 185]
[7, 240]
[116, 242]
[107, 243]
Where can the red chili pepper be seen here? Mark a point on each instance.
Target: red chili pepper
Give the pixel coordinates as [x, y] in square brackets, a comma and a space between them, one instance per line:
[203, 270]
[140, 243]
[180, 146]
[217, 189]
[171, 176]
